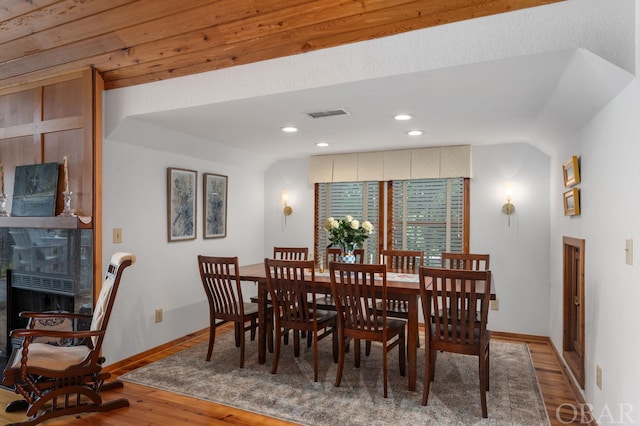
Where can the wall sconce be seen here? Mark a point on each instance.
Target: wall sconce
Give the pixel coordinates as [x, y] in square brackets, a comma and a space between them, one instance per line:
[287, 208]
[508, 208]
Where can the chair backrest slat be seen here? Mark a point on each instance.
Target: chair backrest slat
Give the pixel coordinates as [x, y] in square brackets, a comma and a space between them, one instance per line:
[290, 287]
[221, 284]
[471, 261]
[403, 260]
[356, 294]
[291, 253]
[458, 310]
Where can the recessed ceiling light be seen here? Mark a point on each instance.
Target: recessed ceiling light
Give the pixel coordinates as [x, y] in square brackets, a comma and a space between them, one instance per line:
[322, 144]
[403, 117]
[289, 129]
[414, 132]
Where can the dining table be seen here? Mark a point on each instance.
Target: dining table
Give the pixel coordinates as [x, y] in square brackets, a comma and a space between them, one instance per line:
[400, 286]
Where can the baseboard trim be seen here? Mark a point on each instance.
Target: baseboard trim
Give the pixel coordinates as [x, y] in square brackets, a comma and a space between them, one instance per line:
[136, 358]
[520, 336]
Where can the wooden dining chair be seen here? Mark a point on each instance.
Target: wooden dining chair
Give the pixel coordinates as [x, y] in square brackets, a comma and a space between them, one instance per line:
[333, 254]
[471, 261]
[459, 296]
[291, 253]
[356, 293]
[293, 294]
[407, 261]
[325, 301]
[221, 284]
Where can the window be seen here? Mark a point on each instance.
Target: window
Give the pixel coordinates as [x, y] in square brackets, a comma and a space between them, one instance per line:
[358, 199]
[428, 214]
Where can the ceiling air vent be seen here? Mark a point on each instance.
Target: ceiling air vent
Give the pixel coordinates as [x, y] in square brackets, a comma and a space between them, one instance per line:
[321, 114]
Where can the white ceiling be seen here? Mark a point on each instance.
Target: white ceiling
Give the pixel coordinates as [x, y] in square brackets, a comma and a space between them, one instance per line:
[530, 98]
[536, 75]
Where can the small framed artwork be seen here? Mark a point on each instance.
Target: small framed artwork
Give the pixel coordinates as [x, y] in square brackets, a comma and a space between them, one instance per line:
[572, 202]
[181, 204]
[215, 205]
[571, 172]
[34, 190]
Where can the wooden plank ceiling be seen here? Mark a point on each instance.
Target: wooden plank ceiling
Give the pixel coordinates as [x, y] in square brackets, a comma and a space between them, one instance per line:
[138, 41]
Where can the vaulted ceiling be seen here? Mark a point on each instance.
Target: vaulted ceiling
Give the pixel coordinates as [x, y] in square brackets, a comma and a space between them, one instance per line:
[137, 41]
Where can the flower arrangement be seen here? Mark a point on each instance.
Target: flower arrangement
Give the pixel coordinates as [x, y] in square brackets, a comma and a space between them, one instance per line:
[348, 233]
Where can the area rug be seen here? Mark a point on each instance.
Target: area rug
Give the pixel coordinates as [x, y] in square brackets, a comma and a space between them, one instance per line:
[292, 395]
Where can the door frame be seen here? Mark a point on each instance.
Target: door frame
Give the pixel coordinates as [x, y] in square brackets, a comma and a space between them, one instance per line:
[571, 332]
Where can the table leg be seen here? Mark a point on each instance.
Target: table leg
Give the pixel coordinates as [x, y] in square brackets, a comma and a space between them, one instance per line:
[412, 341]
[262, 322]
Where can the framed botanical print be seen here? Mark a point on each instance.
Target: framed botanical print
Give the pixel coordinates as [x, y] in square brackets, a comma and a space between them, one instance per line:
[571, 172]
[572, 202]
[215, 205]
[181, 204]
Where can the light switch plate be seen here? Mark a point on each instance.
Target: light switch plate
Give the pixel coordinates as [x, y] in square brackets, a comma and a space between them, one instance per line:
[628, 252]
[117, 235]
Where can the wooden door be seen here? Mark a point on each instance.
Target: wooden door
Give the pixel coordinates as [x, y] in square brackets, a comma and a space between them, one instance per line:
[574, 309]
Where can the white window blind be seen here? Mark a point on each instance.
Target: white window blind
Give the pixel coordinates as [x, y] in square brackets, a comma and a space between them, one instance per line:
[339, 199]
[428, 215]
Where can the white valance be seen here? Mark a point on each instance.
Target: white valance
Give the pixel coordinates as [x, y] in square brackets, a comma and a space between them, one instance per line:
[421, 163]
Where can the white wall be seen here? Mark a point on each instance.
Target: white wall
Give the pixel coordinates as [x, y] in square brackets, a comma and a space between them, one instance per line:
[519, 254]
[166, 274]
[608, 149]
[290, 175]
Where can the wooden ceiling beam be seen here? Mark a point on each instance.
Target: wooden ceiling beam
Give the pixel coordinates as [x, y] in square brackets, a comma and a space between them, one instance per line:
[53, 15]
[138, 41]
[349, 29]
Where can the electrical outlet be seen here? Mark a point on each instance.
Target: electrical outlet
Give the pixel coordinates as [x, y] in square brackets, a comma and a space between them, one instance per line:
[117, 235]
[495, 305]
[628, 252]
[599, 377]
[158, 315]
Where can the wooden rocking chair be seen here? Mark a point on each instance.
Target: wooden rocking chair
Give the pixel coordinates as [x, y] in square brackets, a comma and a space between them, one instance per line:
[55, 379]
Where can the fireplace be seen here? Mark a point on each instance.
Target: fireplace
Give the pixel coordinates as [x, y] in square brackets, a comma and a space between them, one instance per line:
[51, 272]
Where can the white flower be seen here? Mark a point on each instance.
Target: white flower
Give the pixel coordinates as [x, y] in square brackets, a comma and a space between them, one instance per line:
[335, 224]
[355, 224]
[349, 218]
[367, 226]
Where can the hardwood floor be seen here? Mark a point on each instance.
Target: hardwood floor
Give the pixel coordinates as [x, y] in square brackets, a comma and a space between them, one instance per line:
[157, 407]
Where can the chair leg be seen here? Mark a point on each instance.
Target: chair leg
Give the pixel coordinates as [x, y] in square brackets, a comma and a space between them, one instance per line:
[487, 361]
[483, 384]
[384, 366]
[212, 338]
[402, 361]
[336, 344]
[276, 355]
[254, 326]
[367, 347]
[239, 329]
[270, 332]
[427, 375]
[242, 346]
[315, 353]
[356, 353]
[296, 343]
[341, 354]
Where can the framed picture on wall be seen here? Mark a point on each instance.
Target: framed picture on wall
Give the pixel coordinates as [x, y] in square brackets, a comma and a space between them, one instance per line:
[181, 204]
[215, 205]
[572, 202]
[571, 172]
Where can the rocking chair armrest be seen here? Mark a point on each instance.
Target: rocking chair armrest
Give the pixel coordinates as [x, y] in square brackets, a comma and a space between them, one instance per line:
[32, 333]
[39, 315]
